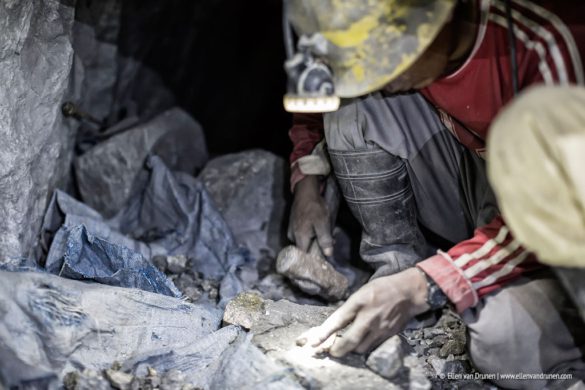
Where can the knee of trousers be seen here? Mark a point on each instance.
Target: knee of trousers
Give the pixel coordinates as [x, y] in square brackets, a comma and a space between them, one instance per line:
[527, 327]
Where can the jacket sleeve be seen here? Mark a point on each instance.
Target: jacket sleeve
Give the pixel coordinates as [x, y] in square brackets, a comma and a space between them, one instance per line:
[480, 265]
[305, 133]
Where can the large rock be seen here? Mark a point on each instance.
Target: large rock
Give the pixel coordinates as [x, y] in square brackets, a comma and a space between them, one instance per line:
[248, 188]
[107, 173]
[311, 273]
[388, 359]
[276, 325]
[244, 310]
[36, 59]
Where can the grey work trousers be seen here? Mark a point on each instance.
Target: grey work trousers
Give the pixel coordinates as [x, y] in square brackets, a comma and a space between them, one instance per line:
[413, 187]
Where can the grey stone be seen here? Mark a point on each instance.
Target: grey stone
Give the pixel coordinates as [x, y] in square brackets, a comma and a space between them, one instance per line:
[174, 379]
[456, 367]
[437, 364]
[85, 380]
[437, 341]
[183, 281]
[249, 190]
[311, 273]
[420, 349]
[192, 293]
[211, 288]
[432, 332]
[36, 58]
[276, 325]
[160, 262]
[106, 174]
[452, 347]
[119, 380]
[244, 310]
[387, 359]
[432, 351]
[416, 374]
[192, 285]
[176, 264]
[446, 368]
[450, 320]
[150, 382]
[416, 334]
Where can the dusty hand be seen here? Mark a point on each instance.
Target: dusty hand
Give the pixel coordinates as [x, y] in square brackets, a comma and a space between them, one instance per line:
[377, 311]
[309, 217]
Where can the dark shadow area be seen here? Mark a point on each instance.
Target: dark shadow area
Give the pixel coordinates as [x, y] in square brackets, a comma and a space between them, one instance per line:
[223, 61]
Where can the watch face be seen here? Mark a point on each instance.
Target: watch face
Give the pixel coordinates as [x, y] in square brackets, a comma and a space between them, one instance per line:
[436, 296]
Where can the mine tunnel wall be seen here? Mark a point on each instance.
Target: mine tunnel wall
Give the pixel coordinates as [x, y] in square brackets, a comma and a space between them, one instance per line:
[117, 59]
[37, 73]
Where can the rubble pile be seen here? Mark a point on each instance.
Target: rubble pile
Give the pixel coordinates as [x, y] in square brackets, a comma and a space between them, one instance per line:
[441, 350]
[191, 283]
[115, 378]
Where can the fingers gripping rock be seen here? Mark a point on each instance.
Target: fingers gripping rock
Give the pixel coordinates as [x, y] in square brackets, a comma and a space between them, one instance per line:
[311, 273]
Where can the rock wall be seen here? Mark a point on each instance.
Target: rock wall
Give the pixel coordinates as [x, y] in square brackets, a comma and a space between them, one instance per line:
[124, 61]
[36, 143]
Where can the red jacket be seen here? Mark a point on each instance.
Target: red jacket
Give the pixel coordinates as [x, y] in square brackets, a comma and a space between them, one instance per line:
[550, 43]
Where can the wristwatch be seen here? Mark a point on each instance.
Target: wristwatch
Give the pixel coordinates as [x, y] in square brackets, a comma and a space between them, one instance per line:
[436, 298]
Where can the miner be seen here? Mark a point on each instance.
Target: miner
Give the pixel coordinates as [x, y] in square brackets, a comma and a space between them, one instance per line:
[421, 83]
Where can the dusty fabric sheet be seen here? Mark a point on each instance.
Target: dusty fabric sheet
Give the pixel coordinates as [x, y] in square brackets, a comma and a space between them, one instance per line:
[172, 215]
[51, 326]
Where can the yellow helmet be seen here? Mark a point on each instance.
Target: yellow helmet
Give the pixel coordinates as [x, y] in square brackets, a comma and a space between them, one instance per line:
[367, 43]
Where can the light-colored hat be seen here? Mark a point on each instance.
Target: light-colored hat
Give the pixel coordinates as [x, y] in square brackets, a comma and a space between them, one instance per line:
[536, 165]
[368, 43]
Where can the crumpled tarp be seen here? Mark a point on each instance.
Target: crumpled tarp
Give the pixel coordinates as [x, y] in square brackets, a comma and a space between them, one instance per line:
[50, 326]
[172, 215]
[88, 257]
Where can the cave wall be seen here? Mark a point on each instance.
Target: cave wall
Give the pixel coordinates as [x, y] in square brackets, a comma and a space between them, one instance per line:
[36, 60]
[51, 51]
[223, 62]
[220, 61]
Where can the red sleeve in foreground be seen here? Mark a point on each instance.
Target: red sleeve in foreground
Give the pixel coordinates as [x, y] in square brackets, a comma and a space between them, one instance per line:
[306, 132]
[480, 265]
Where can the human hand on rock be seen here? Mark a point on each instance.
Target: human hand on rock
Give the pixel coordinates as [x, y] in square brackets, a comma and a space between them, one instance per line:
[377, 311]
[310, 217]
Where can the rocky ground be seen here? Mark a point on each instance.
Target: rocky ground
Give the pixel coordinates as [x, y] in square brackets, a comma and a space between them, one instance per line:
[428, 357]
